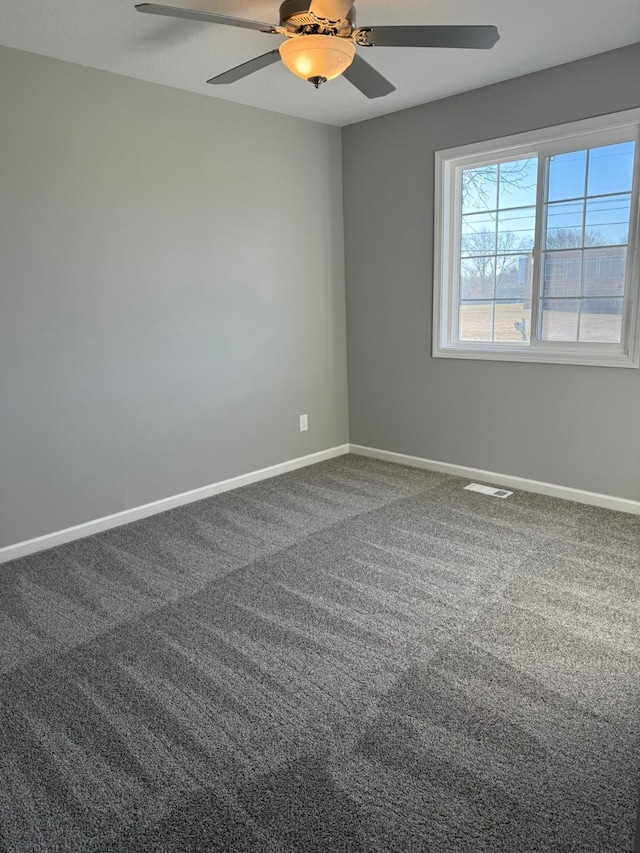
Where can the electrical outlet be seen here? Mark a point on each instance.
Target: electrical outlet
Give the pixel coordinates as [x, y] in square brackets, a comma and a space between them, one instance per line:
[304, 423]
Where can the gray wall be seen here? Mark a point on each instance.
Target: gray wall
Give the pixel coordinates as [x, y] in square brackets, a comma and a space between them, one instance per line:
[171, 292]
[571, 425]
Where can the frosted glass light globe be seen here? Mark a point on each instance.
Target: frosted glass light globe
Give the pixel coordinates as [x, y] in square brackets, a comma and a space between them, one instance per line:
[317, 56]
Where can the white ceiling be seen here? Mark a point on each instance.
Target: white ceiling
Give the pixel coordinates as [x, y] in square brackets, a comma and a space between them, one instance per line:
[111, 35]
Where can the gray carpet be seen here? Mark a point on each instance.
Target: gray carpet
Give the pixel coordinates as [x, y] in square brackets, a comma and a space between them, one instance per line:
[356, 656]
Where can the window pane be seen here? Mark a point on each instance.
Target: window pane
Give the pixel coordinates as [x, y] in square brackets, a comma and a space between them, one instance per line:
[476, 321]
[611, 169]
[567, 175]
[601, 320]
[498, 226]
[607, 221]
[604, 272]
[564, 225]
[562, 274]
[517, 183]
[477, 277]
[512, 321]
[479, 189]
[516, 230]
[478, 234]
[514, 275]
[560, 319]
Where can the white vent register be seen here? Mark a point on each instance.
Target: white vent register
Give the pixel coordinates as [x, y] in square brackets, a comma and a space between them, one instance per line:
[488, 490]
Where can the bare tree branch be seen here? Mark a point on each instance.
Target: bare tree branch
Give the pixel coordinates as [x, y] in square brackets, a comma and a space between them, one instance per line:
[479, 185]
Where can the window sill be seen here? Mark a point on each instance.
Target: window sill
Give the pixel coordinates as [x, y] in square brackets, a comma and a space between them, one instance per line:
[587, 358]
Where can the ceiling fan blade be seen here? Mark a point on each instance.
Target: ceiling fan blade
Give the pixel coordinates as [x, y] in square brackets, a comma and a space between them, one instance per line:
[331, 10]
[364, 77]
[246, 68]
[476, 37]
[209, 17]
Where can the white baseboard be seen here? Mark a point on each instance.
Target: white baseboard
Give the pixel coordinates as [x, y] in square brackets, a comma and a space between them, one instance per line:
[522, 483]
[50, 540]
[79, 531]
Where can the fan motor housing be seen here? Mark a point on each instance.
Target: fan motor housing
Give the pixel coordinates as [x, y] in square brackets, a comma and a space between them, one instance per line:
[296, 18]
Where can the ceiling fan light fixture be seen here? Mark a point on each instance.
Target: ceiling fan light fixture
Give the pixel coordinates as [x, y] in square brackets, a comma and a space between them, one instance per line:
[312, 57]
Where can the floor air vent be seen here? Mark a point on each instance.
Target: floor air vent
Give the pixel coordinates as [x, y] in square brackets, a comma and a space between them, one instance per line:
[488, 490]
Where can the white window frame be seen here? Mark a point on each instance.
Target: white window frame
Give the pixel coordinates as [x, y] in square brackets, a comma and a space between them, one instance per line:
[449, 164]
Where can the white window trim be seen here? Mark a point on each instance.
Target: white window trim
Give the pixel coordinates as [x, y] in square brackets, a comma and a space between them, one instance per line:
[448, 167]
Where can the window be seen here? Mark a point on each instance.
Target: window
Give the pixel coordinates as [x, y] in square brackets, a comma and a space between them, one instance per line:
[536, 246]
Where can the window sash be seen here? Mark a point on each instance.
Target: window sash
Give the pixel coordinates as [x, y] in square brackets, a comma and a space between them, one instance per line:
[607, 130]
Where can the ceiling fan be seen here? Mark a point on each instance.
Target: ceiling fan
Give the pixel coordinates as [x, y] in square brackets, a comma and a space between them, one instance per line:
[321, 38]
